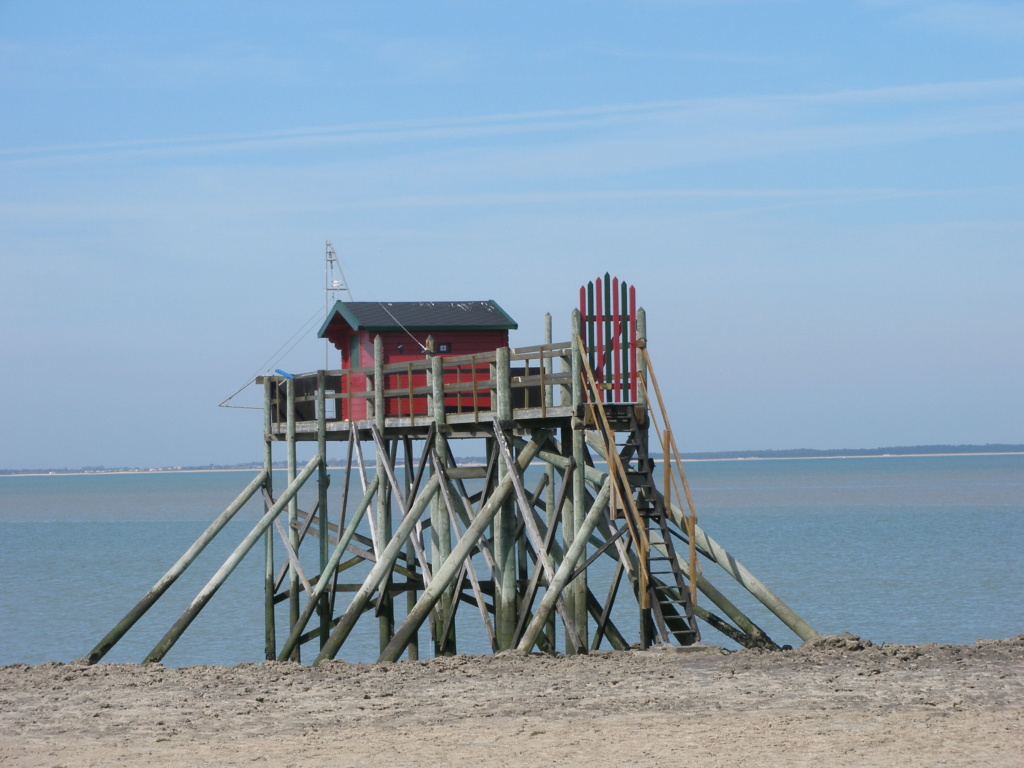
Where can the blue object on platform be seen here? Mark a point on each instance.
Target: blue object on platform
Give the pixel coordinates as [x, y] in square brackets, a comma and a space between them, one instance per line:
[286, 375]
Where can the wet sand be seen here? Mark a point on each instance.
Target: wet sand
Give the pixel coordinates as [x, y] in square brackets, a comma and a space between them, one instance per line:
[836, 701]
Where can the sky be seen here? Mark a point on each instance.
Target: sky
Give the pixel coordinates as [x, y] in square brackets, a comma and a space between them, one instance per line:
[821, 205]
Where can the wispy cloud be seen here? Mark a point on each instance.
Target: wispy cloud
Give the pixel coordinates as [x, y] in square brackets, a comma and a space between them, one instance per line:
[981, 18]
[770, 123]
[976, 18]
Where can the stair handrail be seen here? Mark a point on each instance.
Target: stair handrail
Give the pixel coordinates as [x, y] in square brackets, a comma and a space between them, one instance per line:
[633, 520]
[669, 447]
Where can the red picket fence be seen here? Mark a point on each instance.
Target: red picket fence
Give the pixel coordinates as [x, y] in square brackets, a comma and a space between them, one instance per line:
[608, 307]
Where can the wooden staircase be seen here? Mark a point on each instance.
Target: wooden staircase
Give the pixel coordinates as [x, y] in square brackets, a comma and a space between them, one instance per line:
[668, 591]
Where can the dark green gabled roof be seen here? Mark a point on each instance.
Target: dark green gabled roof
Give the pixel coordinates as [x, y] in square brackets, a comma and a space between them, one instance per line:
[420, 316]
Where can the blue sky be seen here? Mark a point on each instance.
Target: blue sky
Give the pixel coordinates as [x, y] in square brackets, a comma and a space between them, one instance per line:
[820, 204]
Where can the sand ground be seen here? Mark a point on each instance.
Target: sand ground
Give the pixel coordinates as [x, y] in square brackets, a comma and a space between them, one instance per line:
[837, 701]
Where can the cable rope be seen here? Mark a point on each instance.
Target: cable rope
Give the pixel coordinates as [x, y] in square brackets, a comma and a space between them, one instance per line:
[399, 324]
[274, 359]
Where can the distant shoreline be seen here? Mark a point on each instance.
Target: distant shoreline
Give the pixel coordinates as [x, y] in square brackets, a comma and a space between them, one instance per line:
[690, 460]
[890, 453]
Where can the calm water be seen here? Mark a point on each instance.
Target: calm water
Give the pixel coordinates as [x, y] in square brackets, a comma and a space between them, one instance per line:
[910, 550]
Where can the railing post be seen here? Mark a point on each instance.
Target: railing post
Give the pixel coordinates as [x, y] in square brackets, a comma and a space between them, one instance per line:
[578, 588]
[440, 523]
[293, 516]
[384, 527]
[550, 518]
[548, 364]
[321, 446]
[379, 413]
[641, 341]
[505, 618]
[646, 621]
[269, 631]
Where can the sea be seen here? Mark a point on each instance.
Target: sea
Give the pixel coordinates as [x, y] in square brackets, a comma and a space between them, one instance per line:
[907, 549]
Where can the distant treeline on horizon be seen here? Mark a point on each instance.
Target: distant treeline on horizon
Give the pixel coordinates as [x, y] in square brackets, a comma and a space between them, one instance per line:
[899, 450]
[791, 453]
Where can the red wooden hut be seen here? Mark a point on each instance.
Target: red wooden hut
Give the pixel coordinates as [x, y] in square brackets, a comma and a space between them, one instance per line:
[457, 328]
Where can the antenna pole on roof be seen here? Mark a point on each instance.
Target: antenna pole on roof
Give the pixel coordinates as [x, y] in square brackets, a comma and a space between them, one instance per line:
[334, 285]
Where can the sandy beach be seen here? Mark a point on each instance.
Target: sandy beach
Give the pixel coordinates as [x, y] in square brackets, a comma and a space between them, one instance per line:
[836, 701]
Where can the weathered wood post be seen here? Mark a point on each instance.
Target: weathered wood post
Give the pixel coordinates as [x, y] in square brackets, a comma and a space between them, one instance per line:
[440, 521]
[385, 562]
[573, 555]
[410, 551]
[647, 632]
[578, 587]
[505, 596]
[384, 528]
[269, 621]
[164, 583]
[321, 449]
[293, 515]
[208, 591]
[550, 515]
[323, 583]
[448, 570]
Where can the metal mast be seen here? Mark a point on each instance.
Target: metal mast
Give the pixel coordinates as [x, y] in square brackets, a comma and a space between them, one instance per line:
[334, 285]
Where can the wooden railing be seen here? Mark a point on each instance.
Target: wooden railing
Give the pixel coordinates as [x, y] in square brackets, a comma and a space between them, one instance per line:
[471, 387]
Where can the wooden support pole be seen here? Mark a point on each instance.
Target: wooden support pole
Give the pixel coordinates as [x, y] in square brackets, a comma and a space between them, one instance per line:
[352, 437]
[754, 635]
[550, 515]
[386, 610]
[293, 513]
[641, 341]
[575, 596]
[505, 595]
[747, 580]
[409, 490]
[440, 522]
[165, 581]
[208, 591]
[321, 449]
[446, 492]
[332, 564]
[596, 477]
[572, 555]
[269, 583]
[377, 575]
[539, 545]
[554, 553]
[448, 570]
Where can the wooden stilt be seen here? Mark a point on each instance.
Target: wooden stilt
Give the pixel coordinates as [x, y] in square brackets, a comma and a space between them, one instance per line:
[165, 581]
[571, 557]
[440, 523]
[322, 480]
[450, 568]
[269, 583]
[377, 575]
[385, 608]
[293, 508]
[450, 506]
[573, 634]
[505, 596]
[207, 592]
[331, 568]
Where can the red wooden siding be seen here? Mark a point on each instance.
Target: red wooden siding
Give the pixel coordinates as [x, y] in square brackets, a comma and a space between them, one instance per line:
[401, 347]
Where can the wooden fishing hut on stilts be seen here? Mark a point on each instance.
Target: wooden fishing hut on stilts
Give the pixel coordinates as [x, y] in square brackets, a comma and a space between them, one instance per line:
[543, 560]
